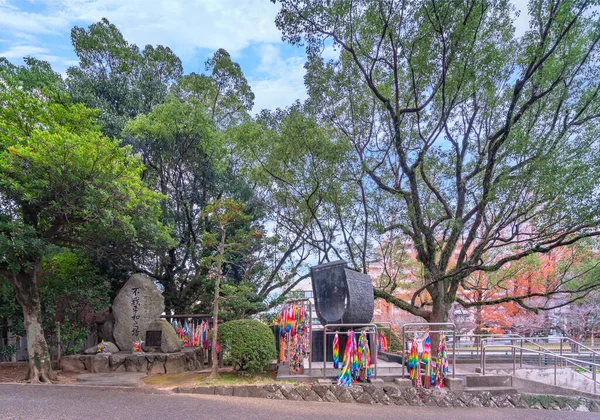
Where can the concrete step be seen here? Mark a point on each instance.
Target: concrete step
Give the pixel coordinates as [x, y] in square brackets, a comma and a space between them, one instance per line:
[498, 390]
[488, 381]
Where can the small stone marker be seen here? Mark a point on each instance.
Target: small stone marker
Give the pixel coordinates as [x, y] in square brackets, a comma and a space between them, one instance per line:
[137, 304]
[166, 340]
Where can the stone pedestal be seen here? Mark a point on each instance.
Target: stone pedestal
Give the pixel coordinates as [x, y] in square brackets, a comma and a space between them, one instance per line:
[403, 383]
[454, 384]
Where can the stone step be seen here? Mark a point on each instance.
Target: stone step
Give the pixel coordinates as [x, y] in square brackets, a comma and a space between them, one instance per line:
[498, 390]
[488, 381]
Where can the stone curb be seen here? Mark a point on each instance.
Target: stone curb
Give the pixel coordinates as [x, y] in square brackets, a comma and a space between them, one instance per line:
[392, 395]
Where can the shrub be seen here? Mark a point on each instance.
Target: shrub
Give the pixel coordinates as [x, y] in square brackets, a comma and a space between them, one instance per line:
[247, 344]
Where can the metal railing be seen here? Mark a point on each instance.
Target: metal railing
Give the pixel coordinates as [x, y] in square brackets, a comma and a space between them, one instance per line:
[542, 354]
[363, 326]
[426, 328]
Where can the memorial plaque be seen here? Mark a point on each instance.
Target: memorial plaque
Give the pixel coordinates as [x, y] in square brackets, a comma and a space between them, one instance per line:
[153, 338]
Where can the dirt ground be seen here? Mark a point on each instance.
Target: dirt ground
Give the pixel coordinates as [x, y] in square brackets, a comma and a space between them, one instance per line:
[228, 377]
[16, 372]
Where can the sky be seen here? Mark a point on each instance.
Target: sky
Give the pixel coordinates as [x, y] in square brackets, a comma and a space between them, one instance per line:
[193, 29]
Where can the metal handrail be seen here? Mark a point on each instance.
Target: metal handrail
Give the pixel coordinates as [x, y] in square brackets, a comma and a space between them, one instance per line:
[325, 332]
[427, 325]
[557, 357]
[518, 337]
[531, 340]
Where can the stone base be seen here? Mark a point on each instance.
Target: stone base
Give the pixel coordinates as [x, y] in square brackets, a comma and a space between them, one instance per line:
[403, 383]
[387, 395]
[454, 384]
[189, 359]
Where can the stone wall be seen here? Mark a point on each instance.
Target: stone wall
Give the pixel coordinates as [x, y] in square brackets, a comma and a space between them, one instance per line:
[189, 359]
[388, 395]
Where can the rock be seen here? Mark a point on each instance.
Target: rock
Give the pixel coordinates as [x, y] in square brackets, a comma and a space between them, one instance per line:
[108, 348]
[342, 393]
[365, 398]
[320, 389]
[379, 396]
[356, 391]
[175, 363]
[156, 368]
[475, 402]
[307, 394]
[277, 395]
[329, 397]
[99, 363]
[137, 304]
[169, 341]
[289, 392]
[136, 363]
[117, 362]
[71, 364]
[105, 329]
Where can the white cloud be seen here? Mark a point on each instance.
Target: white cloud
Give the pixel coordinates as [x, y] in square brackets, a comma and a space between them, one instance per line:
[183, 25]
[281, 81]
[20, 51]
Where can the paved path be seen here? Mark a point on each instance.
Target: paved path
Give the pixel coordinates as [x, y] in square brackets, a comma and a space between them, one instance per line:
[64, 402]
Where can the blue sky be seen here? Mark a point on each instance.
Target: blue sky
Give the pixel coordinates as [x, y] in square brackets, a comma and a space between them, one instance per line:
[193, 29]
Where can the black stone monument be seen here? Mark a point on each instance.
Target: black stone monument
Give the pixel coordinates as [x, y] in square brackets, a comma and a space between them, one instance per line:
[342, 296]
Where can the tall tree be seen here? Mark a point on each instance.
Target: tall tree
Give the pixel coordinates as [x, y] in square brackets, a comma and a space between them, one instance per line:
[485, 143]
[116, 77]
[62, 184]
[225, 243]
[224, 91]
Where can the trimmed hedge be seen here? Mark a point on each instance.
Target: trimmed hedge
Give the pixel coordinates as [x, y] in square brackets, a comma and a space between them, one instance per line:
[247, 344]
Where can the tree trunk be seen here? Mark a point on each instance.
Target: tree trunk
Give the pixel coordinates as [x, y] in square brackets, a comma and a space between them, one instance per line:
[215, 357]
[28, 296]
[439, 313]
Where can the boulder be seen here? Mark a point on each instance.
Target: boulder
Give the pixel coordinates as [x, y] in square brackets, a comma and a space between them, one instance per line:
[169, 342]
[105, 329]
[71, 364]
[137, 305]
[99, 363]
[175, 363]
[108, 348]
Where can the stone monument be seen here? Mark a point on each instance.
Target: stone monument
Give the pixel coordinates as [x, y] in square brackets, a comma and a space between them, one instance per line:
[137, 305]
[342, 296]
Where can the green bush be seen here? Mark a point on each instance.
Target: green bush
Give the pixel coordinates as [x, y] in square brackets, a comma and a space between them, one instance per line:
[247, 344]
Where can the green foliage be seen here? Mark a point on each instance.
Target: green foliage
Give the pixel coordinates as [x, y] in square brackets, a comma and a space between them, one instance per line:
[7, 351]
[248, 344]
[477, 145]
[115, 77]
[65, 184]
[223, 90]
[73, 295]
